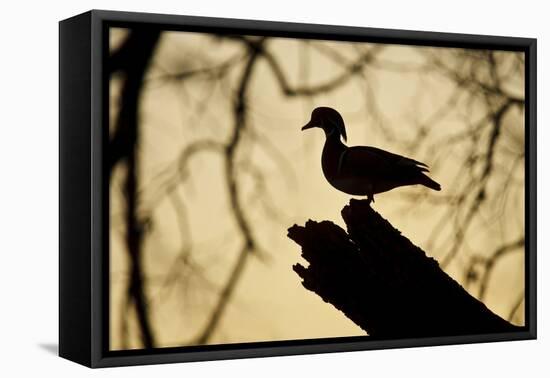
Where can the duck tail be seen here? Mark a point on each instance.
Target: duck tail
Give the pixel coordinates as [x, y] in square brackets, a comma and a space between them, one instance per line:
[426, 181]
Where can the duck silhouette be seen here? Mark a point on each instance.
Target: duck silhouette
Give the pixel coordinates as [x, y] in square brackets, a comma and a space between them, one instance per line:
[363, 170]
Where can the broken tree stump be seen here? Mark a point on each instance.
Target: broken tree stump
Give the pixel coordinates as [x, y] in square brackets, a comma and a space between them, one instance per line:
[383, 282]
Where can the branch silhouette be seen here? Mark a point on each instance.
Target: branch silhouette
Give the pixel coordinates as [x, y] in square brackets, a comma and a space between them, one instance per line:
[487, 86]
[383, 282]
[249, 244]
[133, 59]
[235, 168]
[245, 183]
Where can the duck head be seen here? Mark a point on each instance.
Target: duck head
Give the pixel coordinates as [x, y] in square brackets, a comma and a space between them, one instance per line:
[329, 120]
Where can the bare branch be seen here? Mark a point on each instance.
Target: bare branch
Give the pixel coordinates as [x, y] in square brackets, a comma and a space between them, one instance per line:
[327, 86]
[249, 244]
[133, 58]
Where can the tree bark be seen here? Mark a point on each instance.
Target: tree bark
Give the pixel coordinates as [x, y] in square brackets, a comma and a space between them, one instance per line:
[383, 282]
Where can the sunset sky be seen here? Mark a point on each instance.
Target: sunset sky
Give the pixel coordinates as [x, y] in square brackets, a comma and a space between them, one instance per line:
[397, 99]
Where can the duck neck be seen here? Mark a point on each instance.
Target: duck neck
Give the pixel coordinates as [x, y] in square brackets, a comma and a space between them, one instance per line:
[333, 149]
[333, 138]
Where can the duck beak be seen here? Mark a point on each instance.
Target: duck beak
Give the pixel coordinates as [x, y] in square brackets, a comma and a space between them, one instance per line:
[309, 125]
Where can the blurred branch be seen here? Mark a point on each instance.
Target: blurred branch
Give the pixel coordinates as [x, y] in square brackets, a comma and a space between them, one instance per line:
[481, 193]
[489, 263]
[213, 72]
[256, 49]
[348, 72]
[486, 94]
[133, 59]
[516, 307]
[249, 244]
[477, 79]
[470, 81]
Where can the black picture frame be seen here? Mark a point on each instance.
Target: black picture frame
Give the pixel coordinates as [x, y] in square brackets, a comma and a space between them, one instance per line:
[83, 195]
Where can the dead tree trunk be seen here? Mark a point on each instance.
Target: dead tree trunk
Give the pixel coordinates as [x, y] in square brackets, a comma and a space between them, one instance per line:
[383, 282]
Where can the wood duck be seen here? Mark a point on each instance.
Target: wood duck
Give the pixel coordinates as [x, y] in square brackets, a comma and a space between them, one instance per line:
[363, 170]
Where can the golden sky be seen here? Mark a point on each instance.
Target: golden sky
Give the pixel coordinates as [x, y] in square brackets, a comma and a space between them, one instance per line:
[395, 97]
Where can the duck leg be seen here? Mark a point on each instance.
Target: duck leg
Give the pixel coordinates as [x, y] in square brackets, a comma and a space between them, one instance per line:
[370, 198]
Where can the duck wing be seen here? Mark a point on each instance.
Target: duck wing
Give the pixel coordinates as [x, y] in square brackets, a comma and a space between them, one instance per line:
[375, 162]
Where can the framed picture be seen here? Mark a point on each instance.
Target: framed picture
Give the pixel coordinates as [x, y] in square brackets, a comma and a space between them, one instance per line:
[235, 188]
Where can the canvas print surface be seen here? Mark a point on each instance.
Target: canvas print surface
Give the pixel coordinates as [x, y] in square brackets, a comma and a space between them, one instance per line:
[256, 186]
